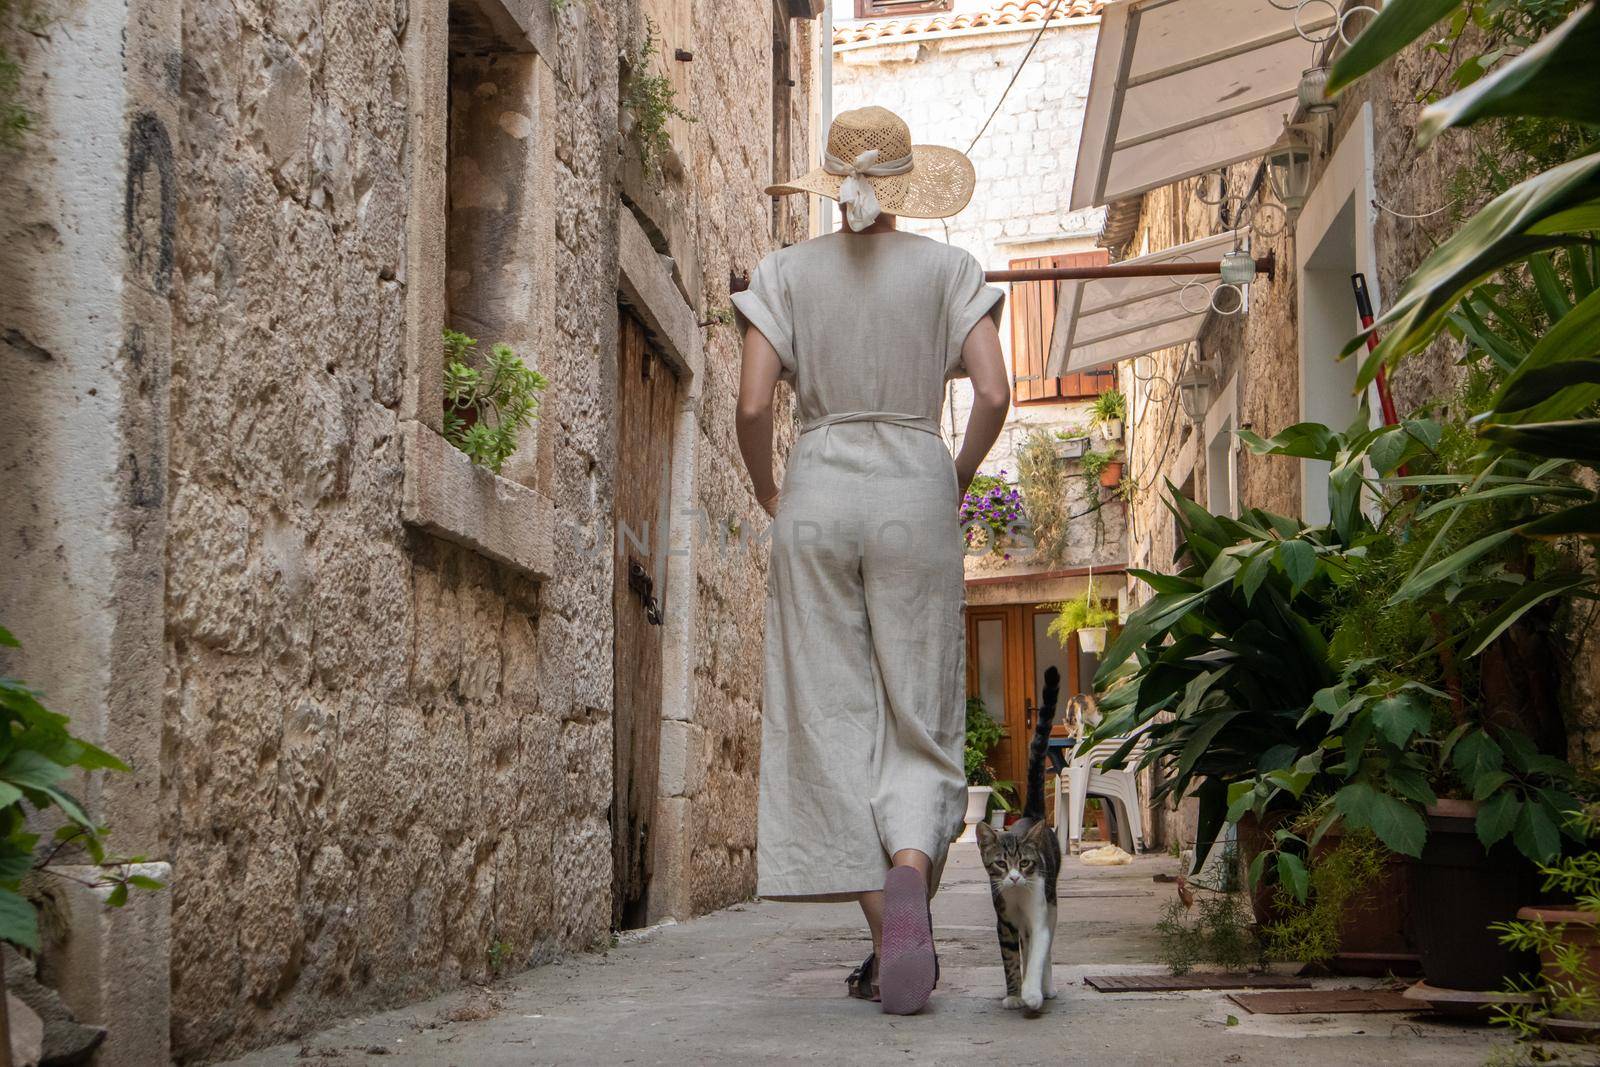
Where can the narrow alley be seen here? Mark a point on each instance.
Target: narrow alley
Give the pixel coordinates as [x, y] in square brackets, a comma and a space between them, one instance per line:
[764, 983]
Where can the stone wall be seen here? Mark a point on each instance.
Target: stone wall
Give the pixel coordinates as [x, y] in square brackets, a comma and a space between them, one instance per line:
[380, 761]
[945, 87]
[1257, 353]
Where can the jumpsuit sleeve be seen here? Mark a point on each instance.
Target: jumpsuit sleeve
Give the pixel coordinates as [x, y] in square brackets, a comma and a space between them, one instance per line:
[970, 299]
[764, 307]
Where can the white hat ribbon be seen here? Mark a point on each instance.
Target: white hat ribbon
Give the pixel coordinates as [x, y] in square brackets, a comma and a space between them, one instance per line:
[856, 194]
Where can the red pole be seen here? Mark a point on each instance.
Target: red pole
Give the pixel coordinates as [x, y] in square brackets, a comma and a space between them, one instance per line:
[1364, 309]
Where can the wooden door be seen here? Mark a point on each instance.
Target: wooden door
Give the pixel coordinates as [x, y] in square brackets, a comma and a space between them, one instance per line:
[1008, 651]
[646, 403]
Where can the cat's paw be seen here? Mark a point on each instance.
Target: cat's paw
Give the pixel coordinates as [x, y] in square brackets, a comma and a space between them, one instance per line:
[1011, 1002]
[1050, 994]
[1032, 1001]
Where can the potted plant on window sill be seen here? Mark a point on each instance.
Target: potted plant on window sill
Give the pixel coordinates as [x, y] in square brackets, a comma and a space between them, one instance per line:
[1071, 443]
[1102, 466]
[983, 734]
[1109, 410]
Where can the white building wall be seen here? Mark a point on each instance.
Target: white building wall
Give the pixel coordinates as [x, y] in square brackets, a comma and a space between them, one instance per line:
[945, 86]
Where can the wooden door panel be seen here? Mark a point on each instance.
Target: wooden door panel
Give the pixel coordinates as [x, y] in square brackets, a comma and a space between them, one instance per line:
[646, 404]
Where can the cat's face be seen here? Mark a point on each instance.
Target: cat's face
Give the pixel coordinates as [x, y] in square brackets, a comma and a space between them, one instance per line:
[1012, 859]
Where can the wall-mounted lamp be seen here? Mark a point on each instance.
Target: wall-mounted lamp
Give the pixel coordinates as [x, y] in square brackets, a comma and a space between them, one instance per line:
[1314, 91]
[1238, 268]
[1289, 172]
[1194, 391]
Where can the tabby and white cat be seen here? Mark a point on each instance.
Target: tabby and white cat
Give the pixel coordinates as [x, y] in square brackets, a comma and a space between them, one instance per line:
[1023, 862]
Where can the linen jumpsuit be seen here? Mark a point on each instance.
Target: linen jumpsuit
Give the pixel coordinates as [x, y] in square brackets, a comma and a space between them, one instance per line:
[864, 700]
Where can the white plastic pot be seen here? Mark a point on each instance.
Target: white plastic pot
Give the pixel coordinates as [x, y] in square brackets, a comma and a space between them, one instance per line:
[1092, 638]
[1072, 448]
[1111, 429]
[977, 808]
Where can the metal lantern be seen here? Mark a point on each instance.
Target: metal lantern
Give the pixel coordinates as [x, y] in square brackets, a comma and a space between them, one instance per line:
[1289, 171]
[1238, 268]
[1194, 391]
[1314, 91]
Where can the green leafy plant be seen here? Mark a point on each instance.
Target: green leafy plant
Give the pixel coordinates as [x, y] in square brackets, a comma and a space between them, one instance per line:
[651, 101]
[38, 754]
[1087, 612]
[1109, 406]
[1094, 464]
[1316, 890]
[1070, 433]
[983, 734]
[485, 410]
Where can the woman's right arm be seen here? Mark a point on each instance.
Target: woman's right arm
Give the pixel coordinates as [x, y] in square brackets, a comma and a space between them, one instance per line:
[991, 398]
[758, 379]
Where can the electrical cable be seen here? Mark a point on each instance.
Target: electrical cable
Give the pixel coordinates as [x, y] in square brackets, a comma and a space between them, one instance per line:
[1048, 15]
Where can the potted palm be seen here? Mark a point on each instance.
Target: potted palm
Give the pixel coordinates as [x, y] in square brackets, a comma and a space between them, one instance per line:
[1109, 410]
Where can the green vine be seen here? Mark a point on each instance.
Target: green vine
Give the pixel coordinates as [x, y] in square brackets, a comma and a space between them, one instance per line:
[649, 97]
[485, 410]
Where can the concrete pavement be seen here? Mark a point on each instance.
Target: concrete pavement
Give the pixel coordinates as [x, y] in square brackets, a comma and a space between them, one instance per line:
[764, 983]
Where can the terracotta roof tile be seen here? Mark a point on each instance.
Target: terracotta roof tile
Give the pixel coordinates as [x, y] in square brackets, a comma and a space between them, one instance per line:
[1007, 13]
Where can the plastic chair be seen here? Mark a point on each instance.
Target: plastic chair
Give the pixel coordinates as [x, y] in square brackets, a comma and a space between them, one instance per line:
[1083, 778]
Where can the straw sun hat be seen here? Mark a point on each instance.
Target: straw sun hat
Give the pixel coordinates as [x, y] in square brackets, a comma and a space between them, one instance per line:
[872, 166]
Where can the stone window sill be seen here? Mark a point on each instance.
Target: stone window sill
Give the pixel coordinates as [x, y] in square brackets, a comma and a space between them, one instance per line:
[449, 497]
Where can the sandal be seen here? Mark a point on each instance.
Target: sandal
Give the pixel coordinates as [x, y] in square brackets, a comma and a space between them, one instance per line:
[863, 981]
[909, 967]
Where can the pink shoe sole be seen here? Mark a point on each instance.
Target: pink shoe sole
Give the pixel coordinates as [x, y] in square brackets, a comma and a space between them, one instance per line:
[906, 969]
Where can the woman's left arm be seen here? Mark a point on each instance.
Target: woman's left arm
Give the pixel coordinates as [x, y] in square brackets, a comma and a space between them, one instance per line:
[758, 380]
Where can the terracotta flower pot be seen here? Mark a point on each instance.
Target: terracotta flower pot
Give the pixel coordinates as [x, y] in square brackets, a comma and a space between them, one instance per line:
[1111, 474]
[1373, 931]
[1578, 929]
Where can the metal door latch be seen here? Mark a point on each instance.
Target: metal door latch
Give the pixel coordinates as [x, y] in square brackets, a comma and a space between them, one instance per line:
[644, 586]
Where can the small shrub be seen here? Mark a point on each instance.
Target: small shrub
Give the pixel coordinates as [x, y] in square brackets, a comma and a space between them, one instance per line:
[649, 97]
[485, 410]
[1217, 930]
[1310, 929]
[983, 734]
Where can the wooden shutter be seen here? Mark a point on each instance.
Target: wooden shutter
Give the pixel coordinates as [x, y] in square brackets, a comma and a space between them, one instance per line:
[1033, 318]
[888, 8]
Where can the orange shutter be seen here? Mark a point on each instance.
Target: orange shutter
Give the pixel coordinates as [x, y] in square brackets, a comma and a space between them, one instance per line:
[1033, 319]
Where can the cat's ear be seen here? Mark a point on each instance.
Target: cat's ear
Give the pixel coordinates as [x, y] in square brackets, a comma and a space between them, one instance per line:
[986, 836]
[1036, 834]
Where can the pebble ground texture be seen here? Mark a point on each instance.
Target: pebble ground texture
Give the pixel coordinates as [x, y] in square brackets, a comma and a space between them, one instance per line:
[764, 983]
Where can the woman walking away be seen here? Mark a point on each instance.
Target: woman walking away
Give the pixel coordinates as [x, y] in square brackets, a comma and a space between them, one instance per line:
[863, 714]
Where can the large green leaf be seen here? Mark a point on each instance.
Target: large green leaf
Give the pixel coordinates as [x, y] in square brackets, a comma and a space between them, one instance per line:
[1496, 817]
[1396, 26]
[1517, 605]
[1498, 235]
[19, 923]
[1581, 521]
[1570, 439]
[1554, 78]
[1537, 834]
[1399, 716]
[1551, 383]
[1432, 575]
[1396, 823]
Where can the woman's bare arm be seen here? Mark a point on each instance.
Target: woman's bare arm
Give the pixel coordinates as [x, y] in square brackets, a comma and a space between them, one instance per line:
[758, 378]
[991, 398]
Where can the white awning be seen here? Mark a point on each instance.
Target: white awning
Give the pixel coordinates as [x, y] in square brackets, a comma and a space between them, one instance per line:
[1105, 320]
[1181, 87]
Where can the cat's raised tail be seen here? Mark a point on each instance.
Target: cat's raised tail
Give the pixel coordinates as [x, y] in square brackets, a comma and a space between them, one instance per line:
[1033, 804]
